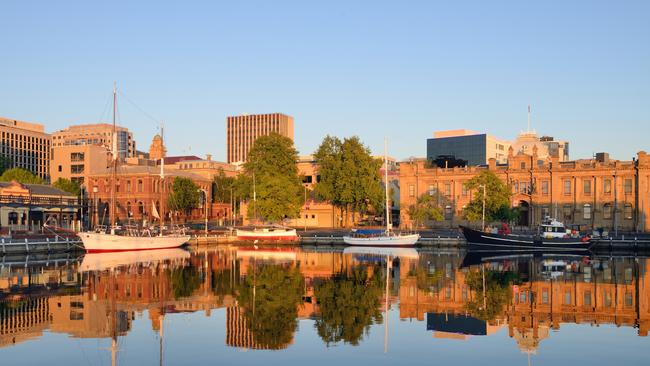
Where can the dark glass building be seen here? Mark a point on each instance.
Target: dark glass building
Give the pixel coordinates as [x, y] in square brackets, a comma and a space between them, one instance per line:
[472, 148]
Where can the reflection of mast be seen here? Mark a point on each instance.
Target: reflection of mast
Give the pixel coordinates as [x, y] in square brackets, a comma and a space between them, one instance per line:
[114, 321]
[386, 307]
[160, 335]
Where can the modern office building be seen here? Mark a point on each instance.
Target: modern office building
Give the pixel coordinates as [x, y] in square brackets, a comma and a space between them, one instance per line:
[77, 162]
[26, 145]
[476, 148]
[242, 131]
[96, 134]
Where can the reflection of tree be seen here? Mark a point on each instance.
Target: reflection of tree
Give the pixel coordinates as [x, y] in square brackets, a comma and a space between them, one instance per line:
[184, 281]
[426, 280]
[225, 281]
[270, 297]
[349, 305]
[498, 293]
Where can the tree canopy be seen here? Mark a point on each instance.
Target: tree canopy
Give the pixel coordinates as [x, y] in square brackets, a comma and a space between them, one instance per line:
[271, 166]
[68, 185]
[221, 187]
[5, 163]
[184, 195]
[349, 176]
[498, 293]
[426, 208]
[20, 175]
[497, 198]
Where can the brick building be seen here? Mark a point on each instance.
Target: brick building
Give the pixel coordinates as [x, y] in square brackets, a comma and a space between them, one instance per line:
[592, 193]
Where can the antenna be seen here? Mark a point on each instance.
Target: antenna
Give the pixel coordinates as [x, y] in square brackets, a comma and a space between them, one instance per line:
[529, 118]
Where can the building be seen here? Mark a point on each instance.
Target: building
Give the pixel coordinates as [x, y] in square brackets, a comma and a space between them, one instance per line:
[591, 193]
[206, 168]
[546, 146]
[77, 162]
[157, 150]
[26, 145]
[242, 131]
[24, 207]
[476, 148]
[96, 134]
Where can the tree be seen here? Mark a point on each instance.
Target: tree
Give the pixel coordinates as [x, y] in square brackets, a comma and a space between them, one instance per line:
[497, 198]
[184, 281]
[5, 163]
[425, 209]
[270, 296]
[272, 166]
[222, 186]
[184, 195]
[68, 185]
[349, 304]
[350, 177]
[20, 175]
[498, 293]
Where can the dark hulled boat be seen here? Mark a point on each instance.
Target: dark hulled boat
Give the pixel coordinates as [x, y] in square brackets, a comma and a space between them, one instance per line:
[479, 240]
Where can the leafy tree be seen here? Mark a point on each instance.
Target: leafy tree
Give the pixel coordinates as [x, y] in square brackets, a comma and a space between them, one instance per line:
[425, 209]
[5, 163]
[184, 195]
[20, 175]
[270, 296]
[350, 177]
[272, 166]
[221, 187]
[68, 185]
[184, 281]
[498, 293]
[349, 304]
[497, 198]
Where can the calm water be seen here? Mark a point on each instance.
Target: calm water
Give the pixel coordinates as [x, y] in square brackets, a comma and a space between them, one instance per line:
[241, 305]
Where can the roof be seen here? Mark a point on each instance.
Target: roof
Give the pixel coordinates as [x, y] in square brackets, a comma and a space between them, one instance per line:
[177, 159]
[149, 170]
[40, 189]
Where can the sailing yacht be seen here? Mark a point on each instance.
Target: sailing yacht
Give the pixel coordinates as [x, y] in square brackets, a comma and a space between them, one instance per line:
[387, 237]
[110, 239]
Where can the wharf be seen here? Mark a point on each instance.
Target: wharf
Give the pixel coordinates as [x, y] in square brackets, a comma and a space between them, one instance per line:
[41, 245]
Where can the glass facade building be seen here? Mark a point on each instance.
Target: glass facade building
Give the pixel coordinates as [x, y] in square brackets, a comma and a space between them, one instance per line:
[472, 148]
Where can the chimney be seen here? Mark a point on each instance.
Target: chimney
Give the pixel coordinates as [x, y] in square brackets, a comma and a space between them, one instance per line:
[602, 157]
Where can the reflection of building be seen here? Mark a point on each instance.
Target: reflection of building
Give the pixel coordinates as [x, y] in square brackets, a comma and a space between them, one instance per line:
[26, 145]
[476, 148]
[591, 193]
[23, 320]
[238, 333]
[242, 131]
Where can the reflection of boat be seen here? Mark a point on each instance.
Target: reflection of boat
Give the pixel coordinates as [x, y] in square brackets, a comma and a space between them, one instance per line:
[278, 254]
[103, 261]
[267, 234]
[475, 258]
[383, 251]
[479, 240]
[386, 238]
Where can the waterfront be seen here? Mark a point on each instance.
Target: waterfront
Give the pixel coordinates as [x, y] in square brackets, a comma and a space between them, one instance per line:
[246, 305]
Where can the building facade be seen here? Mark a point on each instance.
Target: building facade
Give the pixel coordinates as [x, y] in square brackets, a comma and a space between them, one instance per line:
[546, 146]
[242, 131]
[591, 193]
[26, 145]
[476, 148]
[96, 134]
[77, 162]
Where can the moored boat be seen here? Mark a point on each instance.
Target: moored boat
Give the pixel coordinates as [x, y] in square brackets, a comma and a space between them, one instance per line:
[272, 233]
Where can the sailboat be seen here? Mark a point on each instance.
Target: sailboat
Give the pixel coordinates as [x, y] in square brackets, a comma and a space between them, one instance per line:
[109, 239]
[386, 237]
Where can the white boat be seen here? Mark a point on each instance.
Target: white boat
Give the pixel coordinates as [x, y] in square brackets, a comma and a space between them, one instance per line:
[268, 234]
[386, 238]
[110, 240]
[105, 261]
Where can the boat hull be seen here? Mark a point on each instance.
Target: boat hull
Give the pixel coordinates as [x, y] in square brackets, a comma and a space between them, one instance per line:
[288, 235]
[383, 241]
[478, 240]
[101, 242]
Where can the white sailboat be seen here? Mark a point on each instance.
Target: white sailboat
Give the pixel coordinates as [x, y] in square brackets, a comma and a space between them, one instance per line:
[387, 238]
[109, 240]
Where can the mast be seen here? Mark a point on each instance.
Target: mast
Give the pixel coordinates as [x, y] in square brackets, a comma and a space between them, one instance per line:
[162, 179]
[111, 213]
[386, 184]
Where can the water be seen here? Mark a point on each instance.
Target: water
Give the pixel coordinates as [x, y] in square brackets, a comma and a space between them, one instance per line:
[241, 305]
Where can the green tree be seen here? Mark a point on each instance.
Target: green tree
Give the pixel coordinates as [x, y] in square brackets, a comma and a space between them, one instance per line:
[349, 304]
[497, 198]
[425, 209]
[184, 195]
[350, 177]
[272, 165]
[68, 185]
[270, 295]
[222, 187]
[20, 175]
[184, 281]
[5, 163]
[498, 293]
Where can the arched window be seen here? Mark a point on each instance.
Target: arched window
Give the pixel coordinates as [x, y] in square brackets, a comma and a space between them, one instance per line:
[586, 212]
[140, 185]
[128, 209]
[128, 185]
[627, 211]
[13, 218]
[141, 208]
[607, 211]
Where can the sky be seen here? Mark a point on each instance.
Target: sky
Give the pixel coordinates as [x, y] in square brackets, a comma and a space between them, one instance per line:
[375, 69]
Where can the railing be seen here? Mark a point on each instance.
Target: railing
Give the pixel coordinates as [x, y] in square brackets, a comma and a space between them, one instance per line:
[52, 201]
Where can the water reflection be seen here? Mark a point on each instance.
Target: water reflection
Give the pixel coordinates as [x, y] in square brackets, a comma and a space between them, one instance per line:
[265, 292]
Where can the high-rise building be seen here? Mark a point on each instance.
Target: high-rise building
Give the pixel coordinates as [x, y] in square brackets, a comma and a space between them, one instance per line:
[26, 145]
[476, 148]
[96, 134]
[242, 131]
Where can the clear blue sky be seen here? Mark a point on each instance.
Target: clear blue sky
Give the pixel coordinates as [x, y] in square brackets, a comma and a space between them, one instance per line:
[402, 69]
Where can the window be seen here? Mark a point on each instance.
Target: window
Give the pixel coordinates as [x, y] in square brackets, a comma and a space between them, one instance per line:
[307, 179]
[465, 191]
[567, 187]
[587, 298]
[607, 211]
[607, 186]
[627, 211]
[139, 185]
[607, 299]
[76, 156]
[628, 299]
[77, 169]
[627, 186]
[516, 185]
[522, 165]
[448, 189]
[411, 191]
[545, 187]
[586, 186]
[431, 190]
[586, 212]
[523, 187]
[567, 210]
[545, 296]
[567, 298]
[128, 185]
[545, 212]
